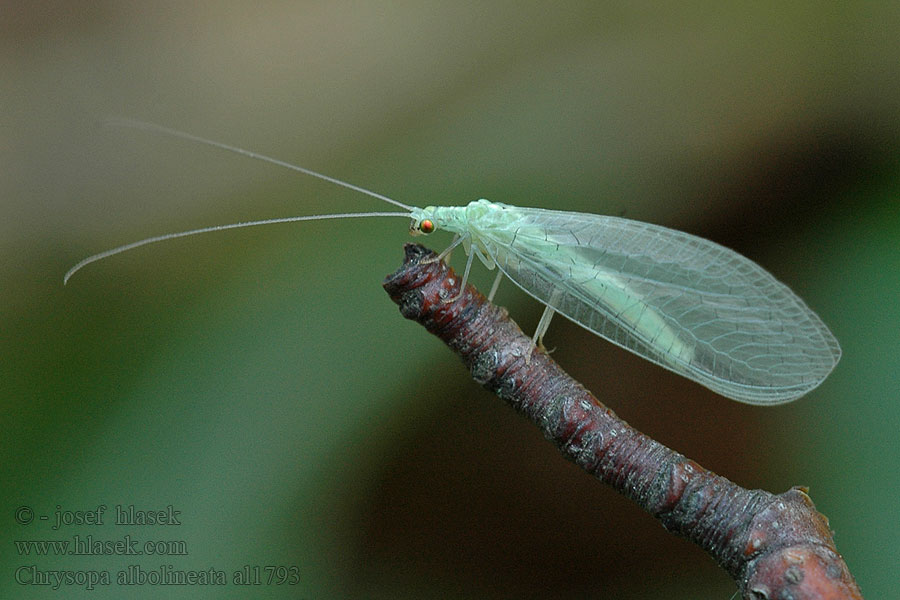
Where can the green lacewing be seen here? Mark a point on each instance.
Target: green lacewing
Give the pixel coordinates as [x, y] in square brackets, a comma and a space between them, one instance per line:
[683, 302]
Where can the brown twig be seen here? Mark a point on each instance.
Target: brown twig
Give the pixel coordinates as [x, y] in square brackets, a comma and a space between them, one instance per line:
[774, 546]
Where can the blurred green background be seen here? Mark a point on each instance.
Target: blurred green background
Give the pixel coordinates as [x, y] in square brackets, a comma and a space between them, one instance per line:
[261, 382]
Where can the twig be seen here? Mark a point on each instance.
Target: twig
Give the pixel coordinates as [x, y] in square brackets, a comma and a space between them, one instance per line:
[773, 546]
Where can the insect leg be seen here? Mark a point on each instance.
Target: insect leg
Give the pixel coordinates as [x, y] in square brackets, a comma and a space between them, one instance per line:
[445, 255]
[538, 340]
[495, 285]
[544, 323]
[543, 326]
[465, 278]
[457, 240]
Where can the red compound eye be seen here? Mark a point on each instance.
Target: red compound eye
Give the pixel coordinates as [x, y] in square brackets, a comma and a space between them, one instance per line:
[426, 226]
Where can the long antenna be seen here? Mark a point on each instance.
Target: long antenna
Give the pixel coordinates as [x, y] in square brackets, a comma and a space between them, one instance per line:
[152, 127]
[170, 236]
[135, 124]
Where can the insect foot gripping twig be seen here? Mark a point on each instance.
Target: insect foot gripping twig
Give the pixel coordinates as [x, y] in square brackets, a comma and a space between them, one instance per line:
[774, 546]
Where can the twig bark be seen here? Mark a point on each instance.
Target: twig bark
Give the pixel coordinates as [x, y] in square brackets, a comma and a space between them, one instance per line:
[773, 546]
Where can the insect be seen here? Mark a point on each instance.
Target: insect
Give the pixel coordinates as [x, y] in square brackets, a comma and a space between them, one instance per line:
[683, 302]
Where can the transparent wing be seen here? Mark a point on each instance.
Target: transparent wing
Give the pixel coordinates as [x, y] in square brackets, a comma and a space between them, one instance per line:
[681, 301]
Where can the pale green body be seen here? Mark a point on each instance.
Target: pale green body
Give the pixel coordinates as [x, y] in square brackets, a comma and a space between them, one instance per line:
[681, 301]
